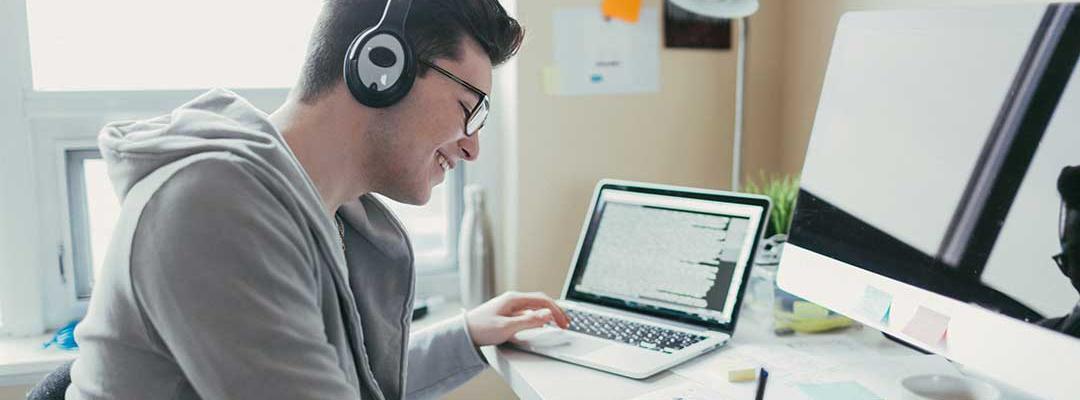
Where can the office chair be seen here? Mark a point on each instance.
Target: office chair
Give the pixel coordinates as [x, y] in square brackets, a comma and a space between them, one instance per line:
[54, 385]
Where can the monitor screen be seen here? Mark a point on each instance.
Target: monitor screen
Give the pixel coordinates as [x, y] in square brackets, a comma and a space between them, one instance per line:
[911, 174]
[668, 253]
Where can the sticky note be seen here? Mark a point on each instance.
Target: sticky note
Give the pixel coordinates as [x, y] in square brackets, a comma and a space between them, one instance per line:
[742, 375]
[927, 326]
[626, 10]
[552, 80]
[808, 310]
[875, 304]
[838, 391]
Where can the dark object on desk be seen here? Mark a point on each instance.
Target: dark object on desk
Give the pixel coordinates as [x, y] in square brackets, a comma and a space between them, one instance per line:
[54, 385]
[761, 384]
[419, 310]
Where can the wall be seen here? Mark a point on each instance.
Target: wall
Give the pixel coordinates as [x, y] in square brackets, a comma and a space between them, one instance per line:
[552, 150]
[681, 135]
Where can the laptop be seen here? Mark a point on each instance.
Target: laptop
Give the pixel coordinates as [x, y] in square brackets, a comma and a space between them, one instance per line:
[657, 278]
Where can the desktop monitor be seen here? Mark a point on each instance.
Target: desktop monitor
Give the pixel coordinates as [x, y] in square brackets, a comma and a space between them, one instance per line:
[929, 205]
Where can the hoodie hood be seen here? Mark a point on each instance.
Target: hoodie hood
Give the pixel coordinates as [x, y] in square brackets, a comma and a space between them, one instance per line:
[218, 120]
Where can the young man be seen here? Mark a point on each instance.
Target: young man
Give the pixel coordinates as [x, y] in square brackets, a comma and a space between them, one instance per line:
[1068, 261]
[251, 260]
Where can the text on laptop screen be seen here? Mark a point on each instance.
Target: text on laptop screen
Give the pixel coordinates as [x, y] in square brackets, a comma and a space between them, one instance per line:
[678, 254]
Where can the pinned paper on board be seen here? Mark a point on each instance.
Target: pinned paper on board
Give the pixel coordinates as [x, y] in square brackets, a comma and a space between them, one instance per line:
[928, 326]
[597, 55]
[626, 10]
[838, 391]
[875, 304]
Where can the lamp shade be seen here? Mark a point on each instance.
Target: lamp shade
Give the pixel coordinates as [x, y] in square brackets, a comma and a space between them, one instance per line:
[719, 8]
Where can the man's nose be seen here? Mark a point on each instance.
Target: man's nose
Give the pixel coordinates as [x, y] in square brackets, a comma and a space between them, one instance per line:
[470, 147]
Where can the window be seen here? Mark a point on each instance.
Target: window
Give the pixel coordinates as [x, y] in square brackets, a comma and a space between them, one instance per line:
[84, 64]
[94, 209]
[167, 45]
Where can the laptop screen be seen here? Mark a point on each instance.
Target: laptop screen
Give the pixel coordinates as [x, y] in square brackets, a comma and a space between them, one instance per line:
[674, 254]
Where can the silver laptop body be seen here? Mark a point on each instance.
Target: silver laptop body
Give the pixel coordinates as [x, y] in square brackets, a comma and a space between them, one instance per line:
[657, 278]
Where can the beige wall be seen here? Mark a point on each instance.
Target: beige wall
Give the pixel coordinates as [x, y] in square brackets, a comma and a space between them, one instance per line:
[13, 392]
[681, 135]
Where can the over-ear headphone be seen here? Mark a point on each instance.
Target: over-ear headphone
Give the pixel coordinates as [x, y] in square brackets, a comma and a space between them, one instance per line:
[380, 66]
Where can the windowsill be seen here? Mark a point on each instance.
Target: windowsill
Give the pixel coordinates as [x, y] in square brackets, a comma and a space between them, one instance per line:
[24, 362]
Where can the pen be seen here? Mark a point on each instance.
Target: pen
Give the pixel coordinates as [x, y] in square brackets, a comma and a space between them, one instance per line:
[761, 384]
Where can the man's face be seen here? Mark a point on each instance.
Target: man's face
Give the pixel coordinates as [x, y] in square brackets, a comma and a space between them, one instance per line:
[422, 138]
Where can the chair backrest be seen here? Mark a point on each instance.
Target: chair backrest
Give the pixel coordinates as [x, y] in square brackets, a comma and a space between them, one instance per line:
[54, 385]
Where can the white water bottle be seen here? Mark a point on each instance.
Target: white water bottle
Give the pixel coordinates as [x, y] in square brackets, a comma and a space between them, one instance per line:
[476, 255]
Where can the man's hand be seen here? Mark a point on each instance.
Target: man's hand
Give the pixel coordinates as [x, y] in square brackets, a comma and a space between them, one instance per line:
[498, 319]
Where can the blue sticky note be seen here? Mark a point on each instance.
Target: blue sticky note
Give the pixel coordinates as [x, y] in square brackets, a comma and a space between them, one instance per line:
[876, 304]
[838, 391]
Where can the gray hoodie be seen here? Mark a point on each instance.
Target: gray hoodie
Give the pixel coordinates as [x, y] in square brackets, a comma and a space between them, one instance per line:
[226, 279]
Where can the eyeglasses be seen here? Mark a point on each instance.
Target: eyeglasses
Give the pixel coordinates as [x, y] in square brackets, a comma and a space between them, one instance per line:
[1062, 262]
[479, 113]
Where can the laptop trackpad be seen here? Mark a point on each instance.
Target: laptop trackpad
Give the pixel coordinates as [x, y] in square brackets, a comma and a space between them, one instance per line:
[553, 340]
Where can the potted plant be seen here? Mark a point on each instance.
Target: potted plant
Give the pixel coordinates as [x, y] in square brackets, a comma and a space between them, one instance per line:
[791, 313]
[782, 190]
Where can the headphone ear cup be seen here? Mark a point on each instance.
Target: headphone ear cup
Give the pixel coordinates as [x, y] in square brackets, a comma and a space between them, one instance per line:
[380, 68]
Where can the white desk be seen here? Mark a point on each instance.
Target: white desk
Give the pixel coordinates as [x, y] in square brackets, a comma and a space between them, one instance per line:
[534, 377]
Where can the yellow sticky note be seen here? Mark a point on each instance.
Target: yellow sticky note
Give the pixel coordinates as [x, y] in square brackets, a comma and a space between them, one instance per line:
[808, 310]
[626, 10]
[742, 375]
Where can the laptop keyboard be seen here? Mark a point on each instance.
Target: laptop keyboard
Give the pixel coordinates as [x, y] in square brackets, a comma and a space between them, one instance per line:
[632, 333]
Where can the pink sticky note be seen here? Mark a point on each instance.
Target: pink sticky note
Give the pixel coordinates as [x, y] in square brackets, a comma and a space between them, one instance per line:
[928, 326]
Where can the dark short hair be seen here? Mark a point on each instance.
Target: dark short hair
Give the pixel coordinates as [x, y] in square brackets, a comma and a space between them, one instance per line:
[435, 28]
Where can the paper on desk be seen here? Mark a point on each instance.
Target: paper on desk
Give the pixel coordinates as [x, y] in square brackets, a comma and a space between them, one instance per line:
[683, 391]
[837, 391]
[810, 360]
[781, 360]
[881, 376]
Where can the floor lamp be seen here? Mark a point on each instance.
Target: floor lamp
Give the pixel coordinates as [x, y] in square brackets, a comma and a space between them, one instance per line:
[737, 10]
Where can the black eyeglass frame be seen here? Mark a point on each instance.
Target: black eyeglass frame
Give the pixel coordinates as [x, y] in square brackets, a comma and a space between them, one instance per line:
[483, 103]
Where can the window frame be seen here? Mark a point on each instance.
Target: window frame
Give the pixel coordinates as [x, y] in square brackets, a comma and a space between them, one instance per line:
[78, 226]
